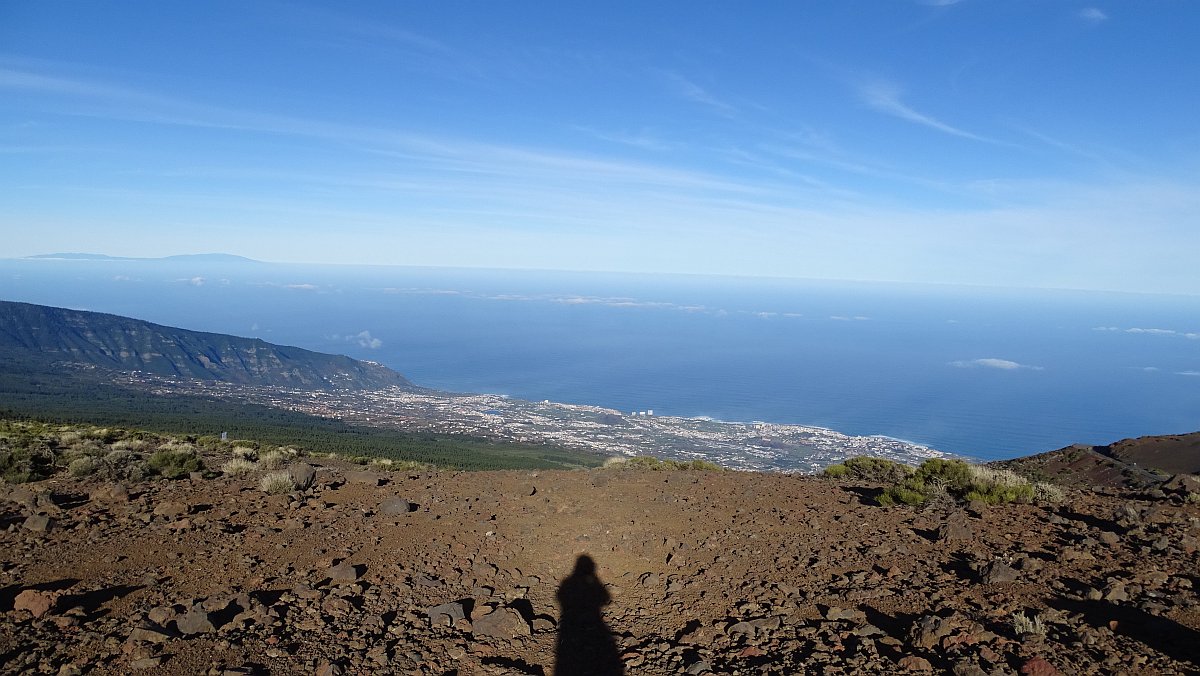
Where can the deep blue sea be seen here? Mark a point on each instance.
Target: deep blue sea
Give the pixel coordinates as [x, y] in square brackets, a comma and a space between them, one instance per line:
[983, 372]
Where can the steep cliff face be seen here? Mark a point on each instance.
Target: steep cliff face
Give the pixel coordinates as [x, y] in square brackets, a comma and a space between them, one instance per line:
[38, 333]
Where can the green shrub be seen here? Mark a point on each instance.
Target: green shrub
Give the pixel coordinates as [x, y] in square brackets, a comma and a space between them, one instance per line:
[867, 468]
[173, 464]
[81, 467]
[838, 471]
[29, 462]
[938, 480]
[656, 465]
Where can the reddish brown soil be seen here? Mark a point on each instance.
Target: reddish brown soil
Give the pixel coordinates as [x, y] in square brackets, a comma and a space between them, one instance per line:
[724, 571]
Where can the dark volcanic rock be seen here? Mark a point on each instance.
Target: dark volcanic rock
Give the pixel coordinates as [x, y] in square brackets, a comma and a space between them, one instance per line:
[504, 623]
[396, 506]
[302, 475]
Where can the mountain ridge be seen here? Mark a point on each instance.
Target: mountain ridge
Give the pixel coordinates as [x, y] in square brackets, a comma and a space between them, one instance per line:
[47, 335]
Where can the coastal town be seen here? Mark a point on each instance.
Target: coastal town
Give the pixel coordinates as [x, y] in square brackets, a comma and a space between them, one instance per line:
[735, 445]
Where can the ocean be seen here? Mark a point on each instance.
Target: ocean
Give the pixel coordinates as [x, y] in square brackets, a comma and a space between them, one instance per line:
[987, 373]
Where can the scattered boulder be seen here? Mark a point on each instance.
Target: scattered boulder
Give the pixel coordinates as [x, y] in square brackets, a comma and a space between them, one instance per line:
[396, 506]
[1183, 483]
[195, 621]
[36, 603]
[914, 663]
[1038, 666]
[446, 614]
[38, 523]
[363, 477]
[928, 630]
[171, 509]
[505, 623]
[955, 529]
[345, 572]
[998, 572]
[302, 475]
[109, 493]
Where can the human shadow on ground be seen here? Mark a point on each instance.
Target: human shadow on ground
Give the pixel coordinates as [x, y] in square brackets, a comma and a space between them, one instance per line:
[585, 643]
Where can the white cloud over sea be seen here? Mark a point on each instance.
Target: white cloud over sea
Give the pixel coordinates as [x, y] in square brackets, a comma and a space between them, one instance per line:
[994, 363]
[1190, 335]
[365, 339]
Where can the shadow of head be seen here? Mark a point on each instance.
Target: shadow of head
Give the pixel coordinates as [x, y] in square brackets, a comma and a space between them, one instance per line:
[585, 643]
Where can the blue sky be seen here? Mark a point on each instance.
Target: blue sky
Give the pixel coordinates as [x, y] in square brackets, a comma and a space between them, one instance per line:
[1036, 143]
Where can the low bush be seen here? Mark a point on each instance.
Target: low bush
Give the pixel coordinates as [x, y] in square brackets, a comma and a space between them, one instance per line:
[277, 483]
[938, 478]
[245, 453]
[867, 468]
[173, 462]
[401, 465]
[657, 465]
[271, 460]
[1048, 494]
[238, 467]
[81, 467]
[1023, 624]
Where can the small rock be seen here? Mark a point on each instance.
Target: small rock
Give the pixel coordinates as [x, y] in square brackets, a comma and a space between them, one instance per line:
[1183, 483]
[38, 523]
[109, 493]
[914, 663]
[504, 623]
[396, 506]
[144, 635]
[146, 663]
[930, 629]
[742, 629]
[38, 603]
[368, 478]
[302, 475]
[452, 612]
[195, 621]
[1036, 666]
[170, 509]
[345, 572]
[1115, 592]
[955, 528]
[998, 572]
[834, 613]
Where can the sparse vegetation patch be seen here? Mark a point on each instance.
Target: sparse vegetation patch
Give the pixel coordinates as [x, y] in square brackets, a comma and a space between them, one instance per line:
[277, 483]
[657, 465]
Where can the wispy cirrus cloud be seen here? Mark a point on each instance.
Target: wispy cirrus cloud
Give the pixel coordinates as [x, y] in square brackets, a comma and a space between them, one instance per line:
[886, 98]
[994, 363]
[694, 92]
[640, 139]
[1093, 15]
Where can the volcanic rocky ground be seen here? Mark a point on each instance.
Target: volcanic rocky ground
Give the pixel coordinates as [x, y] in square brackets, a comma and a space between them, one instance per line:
[481, 573]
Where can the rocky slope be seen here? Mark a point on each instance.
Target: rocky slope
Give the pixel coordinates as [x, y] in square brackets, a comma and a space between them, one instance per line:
[37, 334]
[622, 570]
[1141, 463]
